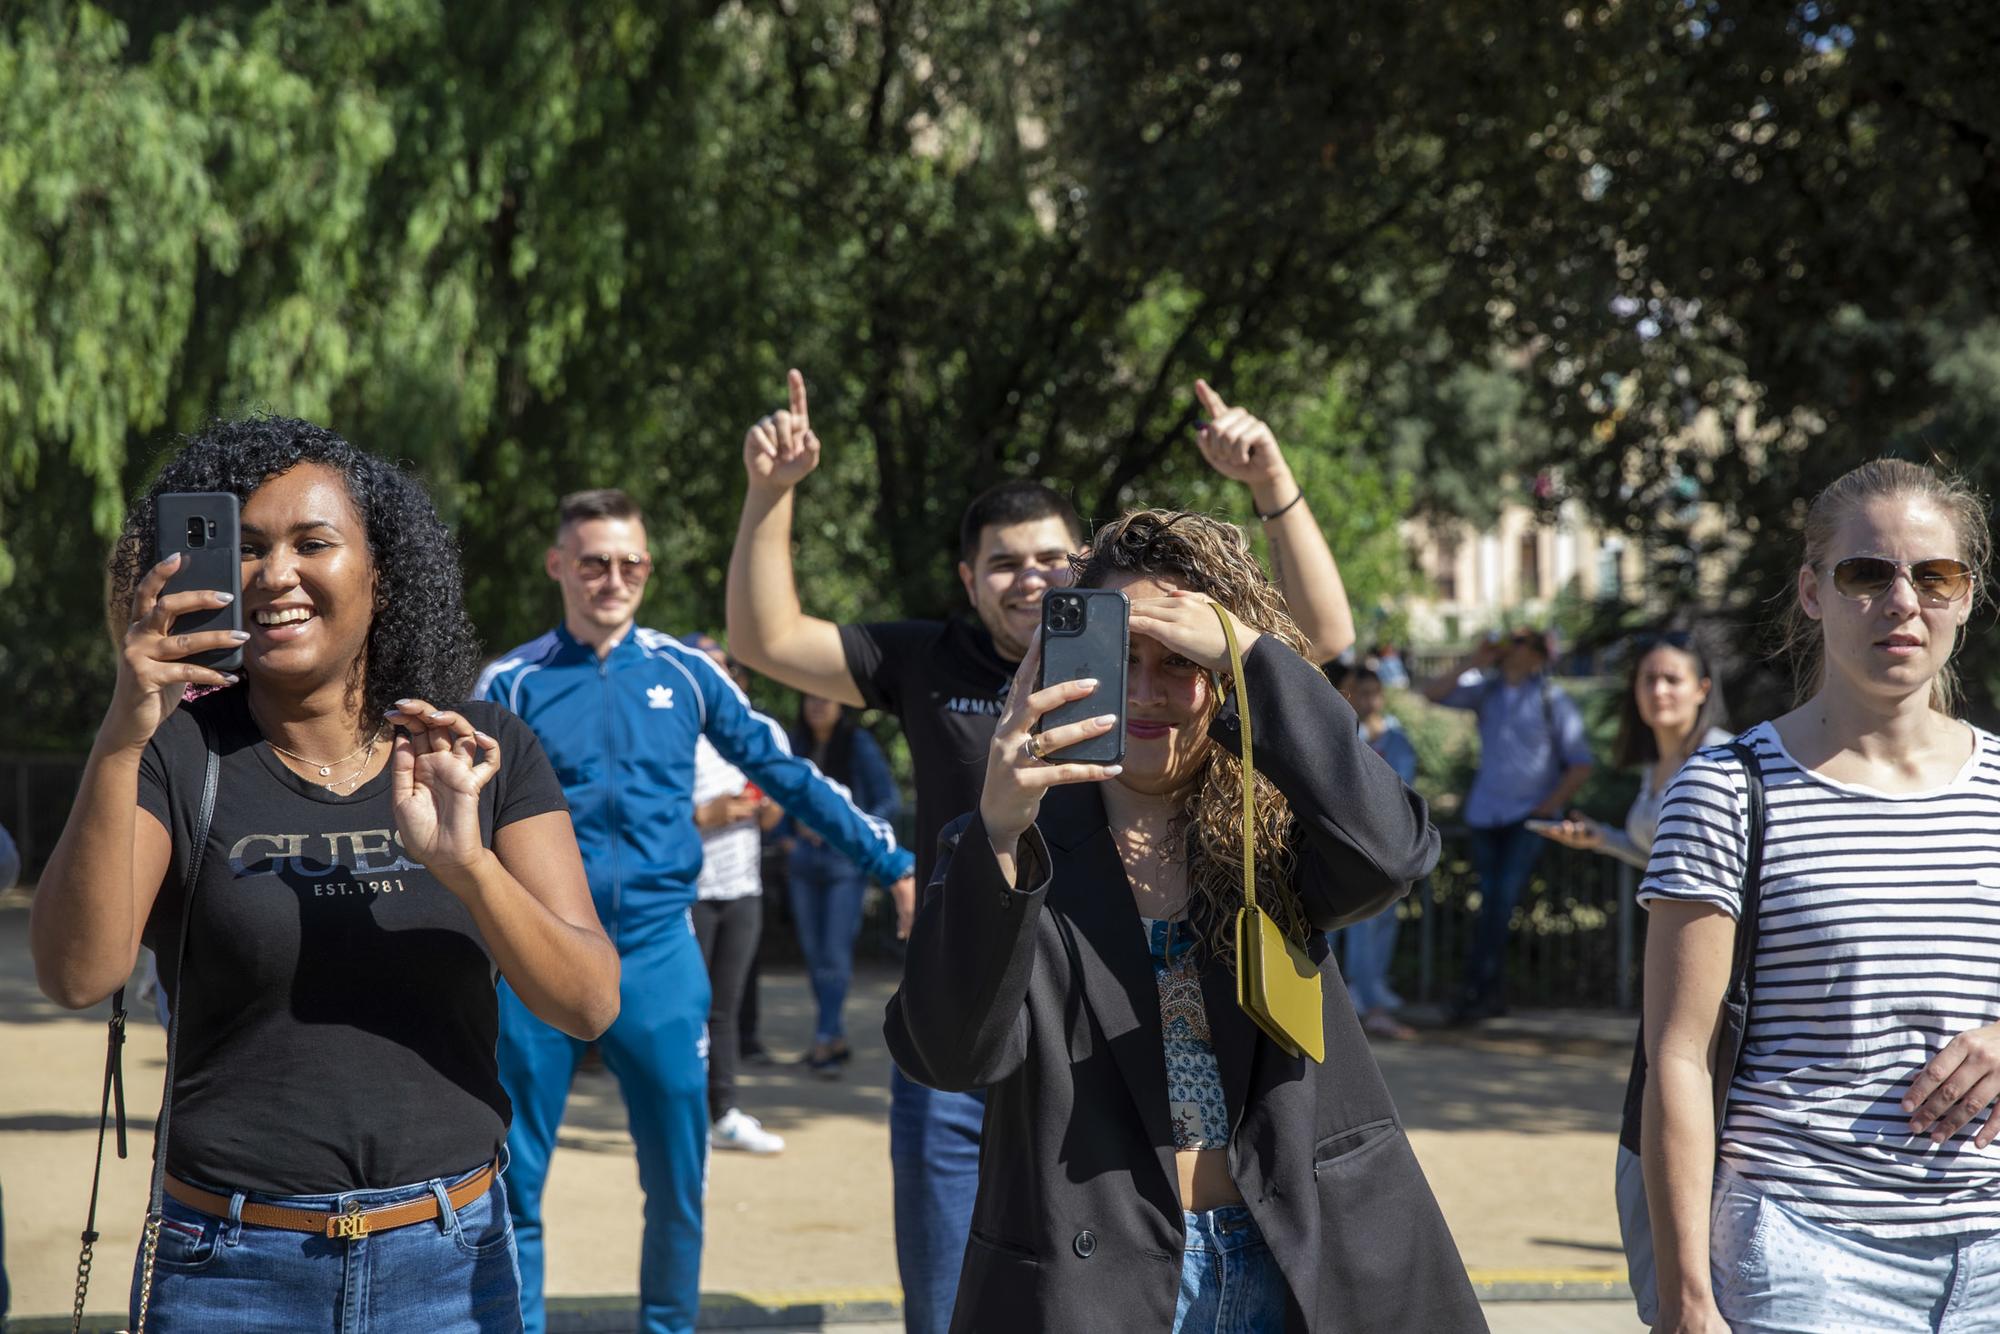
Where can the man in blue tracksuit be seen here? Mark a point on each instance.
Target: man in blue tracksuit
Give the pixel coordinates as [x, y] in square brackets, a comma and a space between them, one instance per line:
[618, 709]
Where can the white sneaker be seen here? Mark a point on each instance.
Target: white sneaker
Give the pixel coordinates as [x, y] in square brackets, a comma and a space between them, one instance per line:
[738, 1130]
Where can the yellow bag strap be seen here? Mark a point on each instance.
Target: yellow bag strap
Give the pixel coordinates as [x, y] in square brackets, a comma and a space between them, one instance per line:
[1249, 785]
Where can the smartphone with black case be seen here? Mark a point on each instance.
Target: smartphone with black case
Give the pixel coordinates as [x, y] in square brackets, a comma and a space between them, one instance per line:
[1086, 632]
[205, 529]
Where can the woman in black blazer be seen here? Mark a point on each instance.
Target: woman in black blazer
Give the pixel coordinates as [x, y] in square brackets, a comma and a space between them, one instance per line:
[1151, 1160]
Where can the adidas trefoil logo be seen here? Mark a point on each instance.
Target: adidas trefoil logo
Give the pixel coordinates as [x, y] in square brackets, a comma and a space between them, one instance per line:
[660, 697]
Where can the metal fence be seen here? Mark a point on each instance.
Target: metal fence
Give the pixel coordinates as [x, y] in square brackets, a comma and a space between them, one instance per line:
[1577, 936]
[35, 796]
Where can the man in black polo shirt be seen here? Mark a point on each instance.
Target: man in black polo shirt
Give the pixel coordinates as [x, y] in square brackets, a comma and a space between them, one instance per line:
[946, 682]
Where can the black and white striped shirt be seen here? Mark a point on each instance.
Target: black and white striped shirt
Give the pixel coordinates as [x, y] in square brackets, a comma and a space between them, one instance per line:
[1878, 941]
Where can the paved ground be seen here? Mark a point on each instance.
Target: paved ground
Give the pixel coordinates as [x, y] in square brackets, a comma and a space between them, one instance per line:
[1515, 1126]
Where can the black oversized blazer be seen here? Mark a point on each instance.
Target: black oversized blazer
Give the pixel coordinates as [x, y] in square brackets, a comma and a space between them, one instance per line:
[1044, 994]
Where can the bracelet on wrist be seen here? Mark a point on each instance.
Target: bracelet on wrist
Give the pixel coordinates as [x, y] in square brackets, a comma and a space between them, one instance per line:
[1282, 508]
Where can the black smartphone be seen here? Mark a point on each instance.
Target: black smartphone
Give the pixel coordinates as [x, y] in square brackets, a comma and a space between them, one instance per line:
[205, 529]
[1086, 632]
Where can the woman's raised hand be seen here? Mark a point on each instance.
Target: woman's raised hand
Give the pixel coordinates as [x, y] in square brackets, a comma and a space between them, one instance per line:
[152, 673]
[437, 773]
[1015, 777]
[1185, 623]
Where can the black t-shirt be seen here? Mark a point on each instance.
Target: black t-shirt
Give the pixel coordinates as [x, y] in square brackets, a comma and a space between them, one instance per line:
[338, 1016]
[947, 684]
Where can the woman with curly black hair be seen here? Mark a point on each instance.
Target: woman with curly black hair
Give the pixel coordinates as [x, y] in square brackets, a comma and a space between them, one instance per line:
[373, 861]
[1151, 1159]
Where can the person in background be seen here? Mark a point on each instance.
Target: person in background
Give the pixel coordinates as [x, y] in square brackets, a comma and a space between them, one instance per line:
[826, 887]
[1368, 947]
[1671, 708]
[619, 708]
[728, 917]
[1533, 756]
[1388, 660]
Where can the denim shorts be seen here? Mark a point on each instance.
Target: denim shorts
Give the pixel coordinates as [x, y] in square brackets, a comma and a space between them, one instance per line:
[1776, 1271]
[454, 1274]
[1230, 1283]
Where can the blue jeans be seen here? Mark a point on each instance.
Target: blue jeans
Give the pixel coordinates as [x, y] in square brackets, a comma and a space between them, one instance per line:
[934, 1156]
[1366, 950]
[225, 1276]
[1775, 1270]
[826, 906]
[657, 1050]
[1504, 857]
[1230, 1282]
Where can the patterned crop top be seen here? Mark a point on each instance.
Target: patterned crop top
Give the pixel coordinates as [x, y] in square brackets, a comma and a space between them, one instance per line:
[1195, 1104]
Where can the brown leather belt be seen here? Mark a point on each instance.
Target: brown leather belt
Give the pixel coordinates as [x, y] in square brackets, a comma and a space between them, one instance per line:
[355, 1222]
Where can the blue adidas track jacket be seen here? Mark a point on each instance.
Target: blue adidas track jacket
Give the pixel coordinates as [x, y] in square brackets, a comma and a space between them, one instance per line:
[621, 733]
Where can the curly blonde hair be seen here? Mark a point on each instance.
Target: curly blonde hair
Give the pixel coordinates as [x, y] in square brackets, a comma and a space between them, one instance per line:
[1206, 555]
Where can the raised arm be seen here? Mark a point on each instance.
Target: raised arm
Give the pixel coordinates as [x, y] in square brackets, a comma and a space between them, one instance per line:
[1438, 689]
[754, 743]
[768, 628]
[959, 1018]
[92, 901]
[1242, 447]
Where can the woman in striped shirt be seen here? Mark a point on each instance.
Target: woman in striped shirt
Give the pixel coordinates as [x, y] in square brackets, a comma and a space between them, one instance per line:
[1853, 1187]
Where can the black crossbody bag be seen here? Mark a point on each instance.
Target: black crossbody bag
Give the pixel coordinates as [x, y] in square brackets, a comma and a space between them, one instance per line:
[114, 1068]
[1634, 1221]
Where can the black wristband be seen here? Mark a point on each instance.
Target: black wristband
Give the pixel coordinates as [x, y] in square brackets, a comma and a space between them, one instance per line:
[1282, 508]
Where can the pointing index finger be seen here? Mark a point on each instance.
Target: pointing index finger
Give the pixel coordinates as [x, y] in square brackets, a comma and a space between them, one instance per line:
[797, 382]
[1211, 402]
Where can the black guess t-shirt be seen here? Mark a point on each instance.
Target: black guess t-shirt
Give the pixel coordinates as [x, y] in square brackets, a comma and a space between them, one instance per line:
[337, 1010]
[947, 684]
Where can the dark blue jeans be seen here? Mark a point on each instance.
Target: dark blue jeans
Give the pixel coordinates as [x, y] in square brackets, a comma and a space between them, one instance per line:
[826, 905]
[1504, 857]
[934, 1156]
[225, 1276]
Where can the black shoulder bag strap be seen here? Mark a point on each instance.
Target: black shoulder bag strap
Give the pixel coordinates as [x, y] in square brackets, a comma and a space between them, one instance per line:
[114, 1065]
[1742, 968]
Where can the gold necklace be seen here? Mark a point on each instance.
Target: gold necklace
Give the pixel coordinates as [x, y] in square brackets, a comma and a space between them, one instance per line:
[353, 779]
[327, 768]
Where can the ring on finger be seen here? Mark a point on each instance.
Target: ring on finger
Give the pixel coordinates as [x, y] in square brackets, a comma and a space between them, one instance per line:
[1033, 750]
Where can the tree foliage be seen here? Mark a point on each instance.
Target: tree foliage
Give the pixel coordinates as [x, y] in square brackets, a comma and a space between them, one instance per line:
[527, 248]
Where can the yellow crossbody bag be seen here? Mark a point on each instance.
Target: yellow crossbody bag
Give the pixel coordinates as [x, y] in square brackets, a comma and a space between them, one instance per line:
[1276, 983]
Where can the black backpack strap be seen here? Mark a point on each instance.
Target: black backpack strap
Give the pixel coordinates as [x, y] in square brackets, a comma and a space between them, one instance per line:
[1743, 965]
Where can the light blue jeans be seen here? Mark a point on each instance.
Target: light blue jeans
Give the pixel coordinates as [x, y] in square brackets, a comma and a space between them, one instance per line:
[224, 1276]
[1367, 947]
[1230, 1282]
[934, 1163]
[1776, 1272]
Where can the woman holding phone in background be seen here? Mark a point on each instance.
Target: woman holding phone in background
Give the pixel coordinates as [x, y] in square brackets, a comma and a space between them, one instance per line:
[1671, 708]
[377, 854]
[1151, 1158]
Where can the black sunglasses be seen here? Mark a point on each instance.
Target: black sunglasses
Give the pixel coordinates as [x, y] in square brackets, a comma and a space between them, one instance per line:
[1938, 582]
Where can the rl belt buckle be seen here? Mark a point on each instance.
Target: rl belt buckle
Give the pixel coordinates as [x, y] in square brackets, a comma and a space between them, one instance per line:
[348, 1226]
